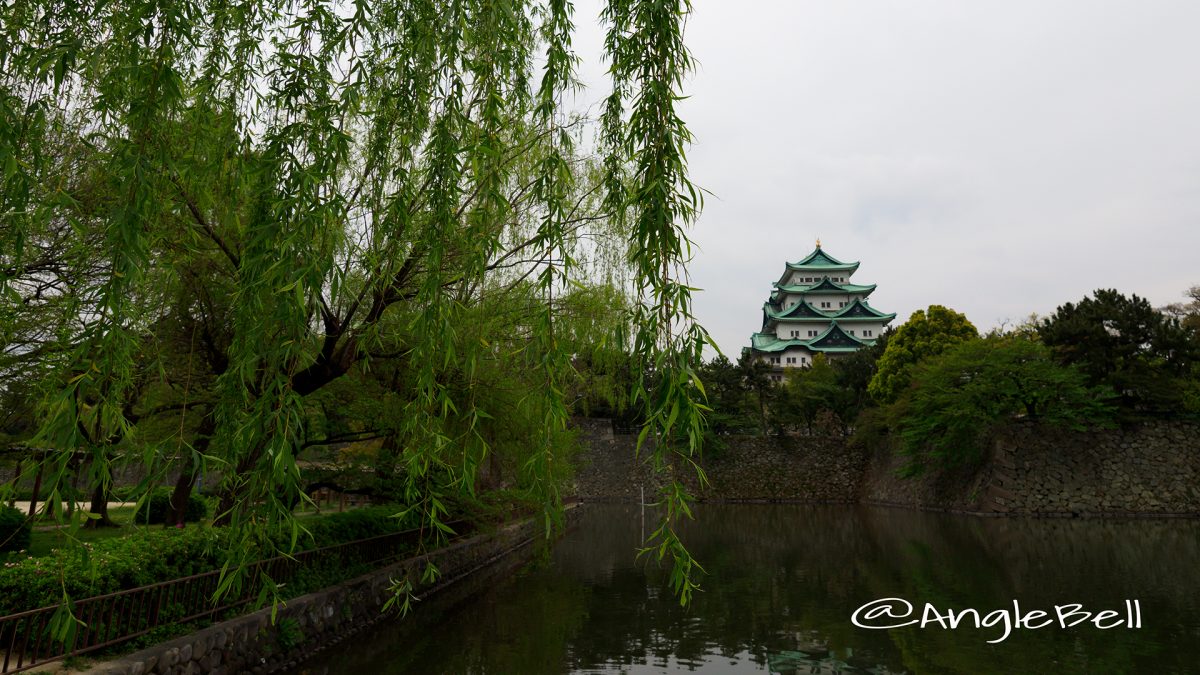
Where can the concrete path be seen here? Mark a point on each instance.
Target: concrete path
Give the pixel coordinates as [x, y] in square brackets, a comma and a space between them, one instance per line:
[24, 506]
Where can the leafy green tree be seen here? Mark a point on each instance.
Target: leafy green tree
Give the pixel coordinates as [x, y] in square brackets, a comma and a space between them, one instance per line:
[853, 374]
[357, 181]
[958, 397]
[756, 376]
[926, 333]
[1124, 343]
[809, 392]
[733, 412]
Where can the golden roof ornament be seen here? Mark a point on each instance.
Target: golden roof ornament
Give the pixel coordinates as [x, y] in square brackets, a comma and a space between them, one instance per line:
[818, 242]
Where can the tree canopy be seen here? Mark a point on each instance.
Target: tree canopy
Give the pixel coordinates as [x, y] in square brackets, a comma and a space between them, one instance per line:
[1123, 342]
[959, 396]
[214, 211]
[926, 333]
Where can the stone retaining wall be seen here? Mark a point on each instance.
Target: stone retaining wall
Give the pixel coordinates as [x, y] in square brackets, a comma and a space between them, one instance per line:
[747, 469]
[1149, 469]
[307, 624]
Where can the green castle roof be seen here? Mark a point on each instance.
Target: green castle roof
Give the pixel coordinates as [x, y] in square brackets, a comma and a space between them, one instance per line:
[826, 286]
[836, 339]
[833, 340]
[856, 311]
[820, 260]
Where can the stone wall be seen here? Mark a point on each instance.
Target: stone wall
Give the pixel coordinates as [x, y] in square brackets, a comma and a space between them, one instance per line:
[1150, 469]
[748, 469]
[305, 625]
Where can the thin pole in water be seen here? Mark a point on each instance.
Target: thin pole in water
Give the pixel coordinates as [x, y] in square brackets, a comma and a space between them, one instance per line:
[642, 502]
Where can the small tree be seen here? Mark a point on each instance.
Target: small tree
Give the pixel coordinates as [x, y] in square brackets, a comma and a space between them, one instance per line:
[926, 333]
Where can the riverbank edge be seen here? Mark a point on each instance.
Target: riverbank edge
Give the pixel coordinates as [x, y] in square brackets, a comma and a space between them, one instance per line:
[308, 624]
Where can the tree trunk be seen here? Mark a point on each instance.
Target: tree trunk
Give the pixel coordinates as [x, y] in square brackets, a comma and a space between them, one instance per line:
[16, 483]
[100, 509]
[187, 474]
[180, 495]
[37, 487]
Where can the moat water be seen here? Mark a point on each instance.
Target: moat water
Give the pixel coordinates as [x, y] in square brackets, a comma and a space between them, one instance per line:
[783, 584]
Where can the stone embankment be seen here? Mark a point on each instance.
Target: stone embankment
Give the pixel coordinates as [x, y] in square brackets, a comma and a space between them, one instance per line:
[307, 624]
[1151, 469]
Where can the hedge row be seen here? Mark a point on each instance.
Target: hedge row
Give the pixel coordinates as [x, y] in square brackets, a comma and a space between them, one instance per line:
[150, 555]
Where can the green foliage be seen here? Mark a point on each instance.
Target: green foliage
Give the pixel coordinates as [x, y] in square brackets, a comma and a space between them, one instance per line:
[356, 524]
[143, 557]
[813, 395]
[729, 395]
[289, 633]
[925, 334]
[959, 397]
[14, 529]
[157, 509]
[658, 201]
[247, 203]
[150, 555]
[1148, 357]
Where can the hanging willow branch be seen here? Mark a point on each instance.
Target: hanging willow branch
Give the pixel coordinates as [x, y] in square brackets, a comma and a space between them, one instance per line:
[316, 188]
[649, 64]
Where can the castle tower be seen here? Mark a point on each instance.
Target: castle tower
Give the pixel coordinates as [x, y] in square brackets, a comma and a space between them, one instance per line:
[814, 309]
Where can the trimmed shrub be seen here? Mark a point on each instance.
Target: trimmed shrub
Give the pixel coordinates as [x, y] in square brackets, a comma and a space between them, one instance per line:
[150, 555]
[157, 508]
[14, 530]
[364, 523]
[140, 558]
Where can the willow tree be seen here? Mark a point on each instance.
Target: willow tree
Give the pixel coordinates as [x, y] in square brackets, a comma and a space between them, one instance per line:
[352, 177]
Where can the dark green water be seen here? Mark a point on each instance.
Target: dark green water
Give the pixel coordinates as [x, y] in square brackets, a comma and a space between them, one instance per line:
[782, 584]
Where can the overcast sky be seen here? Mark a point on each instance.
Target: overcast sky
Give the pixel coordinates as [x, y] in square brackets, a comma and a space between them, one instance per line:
[997, 157]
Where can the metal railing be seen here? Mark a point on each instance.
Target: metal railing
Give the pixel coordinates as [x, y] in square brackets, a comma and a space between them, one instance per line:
[106, 620]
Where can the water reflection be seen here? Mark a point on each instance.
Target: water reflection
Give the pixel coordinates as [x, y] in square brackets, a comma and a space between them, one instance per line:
[782, 584]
